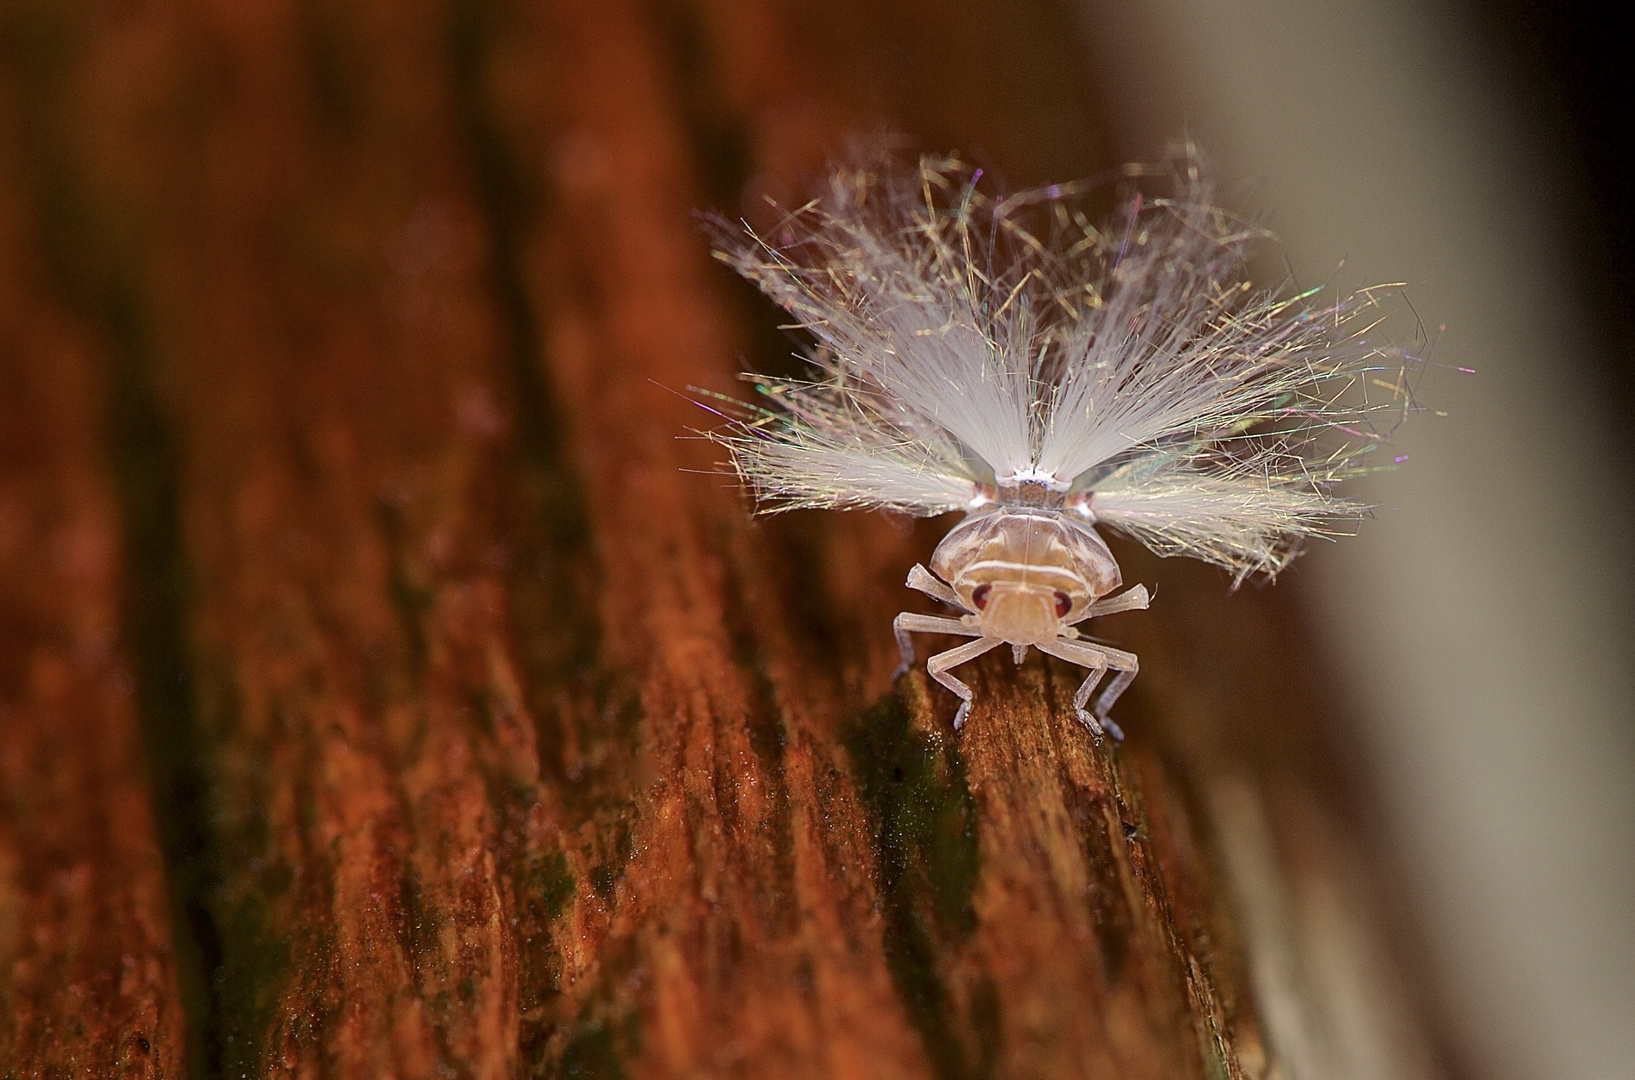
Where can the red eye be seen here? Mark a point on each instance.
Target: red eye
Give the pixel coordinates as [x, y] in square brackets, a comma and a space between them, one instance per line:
[979, 595]
[1064, 604]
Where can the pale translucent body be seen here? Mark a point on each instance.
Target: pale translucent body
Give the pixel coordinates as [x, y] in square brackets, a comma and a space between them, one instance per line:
[1026, 571]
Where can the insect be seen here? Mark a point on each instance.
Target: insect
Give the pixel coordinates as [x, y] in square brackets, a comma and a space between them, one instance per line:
[1048, 374]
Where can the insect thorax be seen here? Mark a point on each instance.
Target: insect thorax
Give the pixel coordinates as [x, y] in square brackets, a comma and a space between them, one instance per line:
[1027, 572]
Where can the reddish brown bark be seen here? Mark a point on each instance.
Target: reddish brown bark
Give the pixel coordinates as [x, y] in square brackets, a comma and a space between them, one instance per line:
[504, 743]
[87, 985]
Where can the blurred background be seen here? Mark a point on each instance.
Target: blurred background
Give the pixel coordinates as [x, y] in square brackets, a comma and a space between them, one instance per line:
[296, 184]
[1482, 621]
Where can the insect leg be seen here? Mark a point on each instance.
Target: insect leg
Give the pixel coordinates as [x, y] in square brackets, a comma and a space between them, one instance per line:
[1125, 676]
[938, 667]
[1133, 599]
[1088, 656]
[910, 622]
[922, 580]
[1098, 658]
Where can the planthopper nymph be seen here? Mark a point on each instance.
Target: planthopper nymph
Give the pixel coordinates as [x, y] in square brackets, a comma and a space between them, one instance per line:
[1048, 373]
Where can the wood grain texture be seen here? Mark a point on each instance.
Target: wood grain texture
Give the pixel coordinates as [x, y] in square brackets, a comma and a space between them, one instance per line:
[490, 736]
[87, 980]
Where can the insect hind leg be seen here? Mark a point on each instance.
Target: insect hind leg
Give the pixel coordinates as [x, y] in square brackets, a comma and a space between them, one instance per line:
[1120, 683]
[1098, 658]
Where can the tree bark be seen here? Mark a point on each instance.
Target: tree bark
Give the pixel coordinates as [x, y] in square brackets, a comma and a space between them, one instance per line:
[87, 979]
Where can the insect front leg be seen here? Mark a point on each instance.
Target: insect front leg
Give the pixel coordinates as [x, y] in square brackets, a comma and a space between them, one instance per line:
[1098, 658]
[910, 622]
[1133, 599]
[922, 580]
[938, 667]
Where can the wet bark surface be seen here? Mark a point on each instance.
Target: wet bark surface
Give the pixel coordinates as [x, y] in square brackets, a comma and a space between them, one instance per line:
[389, 686]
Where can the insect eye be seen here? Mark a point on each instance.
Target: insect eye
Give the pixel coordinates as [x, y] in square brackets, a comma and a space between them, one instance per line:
[1064, 604]
[979, 595]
